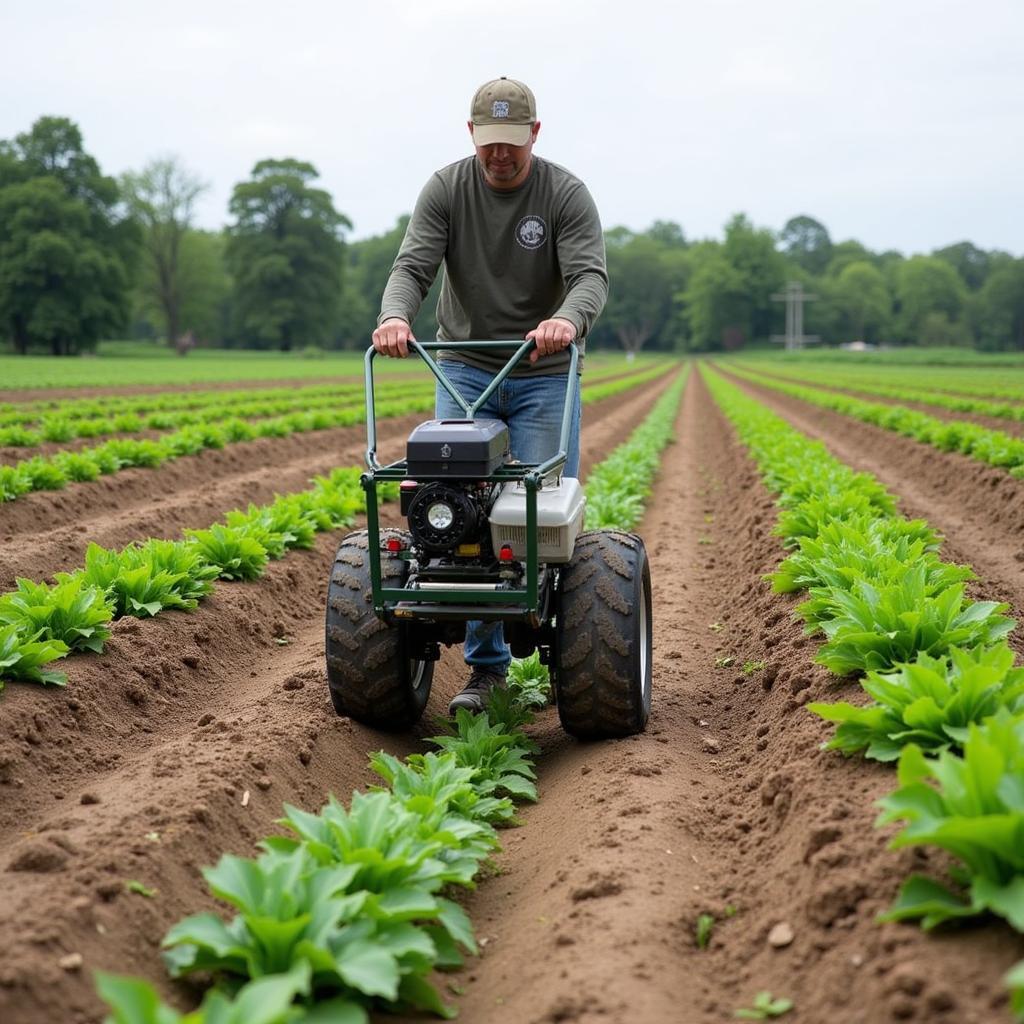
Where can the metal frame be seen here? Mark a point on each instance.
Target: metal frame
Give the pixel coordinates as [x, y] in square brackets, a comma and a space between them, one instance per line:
[463, 603]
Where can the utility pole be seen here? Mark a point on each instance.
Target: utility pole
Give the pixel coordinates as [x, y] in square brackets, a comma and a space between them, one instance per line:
[794, 296]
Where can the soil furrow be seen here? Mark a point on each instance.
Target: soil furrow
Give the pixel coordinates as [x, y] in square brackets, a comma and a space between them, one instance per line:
[166, 733]
[49, 531]
[1008, 426]
[978, 508]
[726, 803]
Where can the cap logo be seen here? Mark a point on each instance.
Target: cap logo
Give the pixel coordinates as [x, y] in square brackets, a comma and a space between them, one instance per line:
[499, 108]
[531, 232]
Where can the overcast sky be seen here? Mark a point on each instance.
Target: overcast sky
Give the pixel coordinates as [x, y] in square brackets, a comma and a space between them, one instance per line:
[896, 122]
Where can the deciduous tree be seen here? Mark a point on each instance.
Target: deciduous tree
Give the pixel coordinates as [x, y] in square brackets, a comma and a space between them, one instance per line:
[285, 254]
[162, 198]
[807, 243]
[862, 296]
[926, 284]
[66, 251]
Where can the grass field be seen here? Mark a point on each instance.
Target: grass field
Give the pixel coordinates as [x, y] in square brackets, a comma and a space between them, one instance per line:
[135, 364]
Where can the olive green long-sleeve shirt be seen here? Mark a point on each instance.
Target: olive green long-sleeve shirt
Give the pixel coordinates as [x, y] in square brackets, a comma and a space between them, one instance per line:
[511, 259]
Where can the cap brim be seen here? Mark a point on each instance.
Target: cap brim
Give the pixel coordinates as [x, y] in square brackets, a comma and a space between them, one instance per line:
[509, 134]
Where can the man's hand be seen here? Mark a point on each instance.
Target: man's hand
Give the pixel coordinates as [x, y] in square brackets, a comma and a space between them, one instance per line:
[551, 337]
[392, 338]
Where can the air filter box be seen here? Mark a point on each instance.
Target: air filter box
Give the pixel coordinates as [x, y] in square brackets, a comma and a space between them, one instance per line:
[460, 448]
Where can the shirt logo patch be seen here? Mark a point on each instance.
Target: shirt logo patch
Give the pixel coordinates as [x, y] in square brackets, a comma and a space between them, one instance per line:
[499, 108]
[531, 232]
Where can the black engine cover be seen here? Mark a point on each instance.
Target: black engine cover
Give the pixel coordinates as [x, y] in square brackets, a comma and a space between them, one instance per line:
[457, 448]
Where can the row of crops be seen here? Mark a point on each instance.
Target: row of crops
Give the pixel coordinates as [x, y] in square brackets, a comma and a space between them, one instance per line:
[345, 913]
[31, 423]
[42, 622]
[351, 910]
[962, 380]
[909, 391]
[993, 447]
[946, 702]
[216, 432]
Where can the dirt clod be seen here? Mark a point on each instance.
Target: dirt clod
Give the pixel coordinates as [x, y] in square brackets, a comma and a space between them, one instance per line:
[39, 856]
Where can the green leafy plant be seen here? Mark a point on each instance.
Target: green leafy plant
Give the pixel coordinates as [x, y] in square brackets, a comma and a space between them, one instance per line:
[13, 483]
[129, 453]
[305, 904]
[530, 681]
[874, 628]
[56, 428]
[440, 777]
[42, 475]
[930, 702]
[23, 658]
[19, 437]
[237, 555]
[973, 807]
[71, 612]
[497, 756]
[765, 1007]
[77, 466]
[143, 580]
[865, 535]
[266, 1000]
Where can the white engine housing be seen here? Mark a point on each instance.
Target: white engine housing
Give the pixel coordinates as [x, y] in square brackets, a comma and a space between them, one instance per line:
[560, 508]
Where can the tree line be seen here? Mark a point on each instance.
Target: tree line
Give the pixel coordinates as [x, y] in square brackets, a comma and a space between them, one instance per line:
[85, 256]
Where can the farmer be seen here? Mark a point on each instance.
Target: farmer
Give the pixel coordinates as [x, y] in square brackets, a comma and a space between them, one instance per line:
[523, 255]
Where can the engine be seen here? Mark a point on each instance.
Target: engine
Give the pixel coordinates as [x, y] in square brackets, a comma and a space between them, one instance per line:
[444, 517]
[455, 514]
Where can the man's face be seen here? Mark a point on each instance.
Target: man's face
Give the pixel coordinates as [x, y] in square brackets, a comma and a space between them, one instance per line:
[505, 166]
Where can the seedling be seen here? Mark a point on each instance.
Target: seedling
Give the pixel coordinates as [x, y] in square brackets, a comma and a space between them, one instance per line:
[137, 887]
[765, 1007]
[705, 925]
[724, 662]
[716, 627]
[749, 667]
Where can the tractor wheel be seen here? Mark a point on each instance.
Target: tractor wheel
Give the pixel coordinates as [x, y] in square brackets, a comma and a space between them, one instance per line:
[371, 677]
[603, 637]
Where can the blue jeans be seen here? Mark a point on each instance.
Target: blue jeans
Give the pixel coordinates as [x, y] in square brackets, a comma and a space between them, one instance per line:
[532, 407]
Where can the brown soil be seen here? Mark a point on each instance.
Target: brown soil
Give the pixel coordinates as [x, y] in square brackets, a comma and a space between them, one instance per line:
[139, 771]
[48, 531]
[1013, 427]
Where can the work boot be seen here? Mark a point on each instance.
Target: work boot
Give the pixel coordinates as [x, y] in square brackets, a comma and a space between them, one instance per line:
[477, 691]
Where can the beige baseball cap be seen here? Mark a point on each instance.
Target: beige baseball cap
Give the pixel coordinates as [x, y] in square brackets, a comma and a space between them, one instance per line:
[502, 111]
